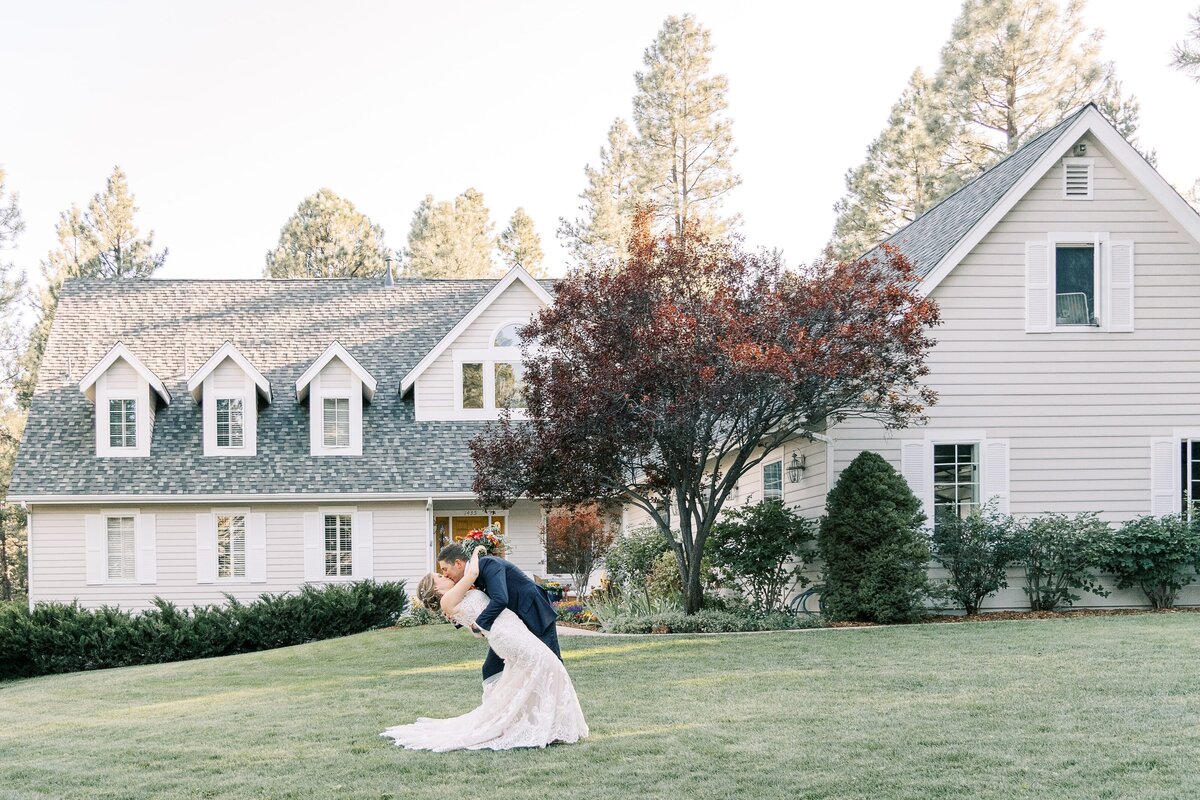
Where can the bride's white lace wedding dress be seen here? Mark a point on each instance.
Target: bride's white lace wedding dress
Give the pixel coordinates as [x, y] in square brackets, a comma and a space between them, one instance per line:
[531, 704]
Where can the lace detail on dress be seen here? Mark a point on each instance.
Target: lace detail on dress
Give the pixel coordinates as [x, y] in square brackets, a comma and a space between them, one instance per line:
[531, 704]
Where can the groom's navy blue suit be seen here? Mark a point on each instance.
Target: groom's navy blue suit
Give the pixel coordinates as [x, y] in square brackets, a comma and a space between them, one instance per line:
[508, 587]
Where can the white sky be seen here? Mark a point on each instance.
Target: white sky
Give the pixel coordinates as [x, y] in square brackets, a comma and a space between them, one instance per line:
[225, 115]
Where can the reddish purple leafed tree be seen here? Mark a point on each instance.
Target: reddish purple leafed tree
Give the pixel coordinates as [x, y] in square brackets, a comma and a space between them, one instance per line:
[662, 380]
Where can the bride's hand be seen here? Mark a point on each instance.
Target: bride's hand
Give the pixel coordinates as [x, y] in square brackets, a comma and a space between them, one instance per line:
[472, 570]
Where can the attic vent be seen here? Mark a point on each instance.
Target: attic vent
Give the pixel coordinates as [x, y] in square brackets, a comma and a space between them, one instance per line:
[1077, 178]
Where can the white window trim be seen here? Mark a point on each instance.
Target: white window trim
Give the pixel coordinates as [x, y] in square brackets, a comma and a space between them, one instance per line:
[142, 396]
[762, 477]
[1099, 241]
[105, 515]
[318, 393]
[230, 512]
[249, 397]
[502, 326]
[488, 357]
[1090, 163]
[322, 512]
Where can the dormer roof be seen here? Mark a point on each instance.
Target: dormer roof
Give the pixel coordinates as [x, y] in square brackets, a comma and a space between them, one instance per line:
[512, 276]
[120, 351]
[228, 350]
[336, 350]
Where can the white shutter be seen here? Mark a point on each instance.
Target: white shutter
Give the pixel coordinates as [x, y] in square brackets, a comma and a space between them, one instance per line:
[362, 540]
[1039, 297]
[1165, 491]
[314, 548]
[1120, 287]
[995, 473]
[206, 548]
[256, 548]
[146, 548]
[93, 538]
[916, 471]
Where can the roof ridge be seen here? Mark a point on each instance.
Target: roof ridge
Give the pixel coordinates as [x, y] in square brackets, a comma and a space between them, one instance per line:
[1070, 118]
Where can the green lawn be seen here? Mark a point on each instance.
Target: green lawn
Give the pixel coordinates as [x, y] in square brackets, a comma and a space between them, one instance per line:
[1086, 708]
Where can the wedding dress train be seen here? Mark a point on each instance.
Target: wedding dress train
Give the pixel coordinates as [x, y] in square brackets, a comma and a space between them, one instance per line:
[532, 703]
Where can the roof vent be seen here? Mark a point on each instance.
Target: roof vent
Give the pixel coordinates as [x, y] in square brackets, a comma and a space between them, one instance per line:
[1077, 178]
[388, 280]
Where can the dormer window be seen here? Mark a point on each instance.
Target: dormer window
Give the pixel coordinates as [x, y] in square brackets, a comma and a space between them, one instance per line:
[489, 380]
[335, 386]
[228, 388]
[126, 394]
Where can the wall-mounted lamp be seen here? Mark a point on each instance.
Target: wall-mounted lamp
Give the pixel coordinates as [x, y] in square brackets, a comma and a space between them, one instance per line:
[796, 467]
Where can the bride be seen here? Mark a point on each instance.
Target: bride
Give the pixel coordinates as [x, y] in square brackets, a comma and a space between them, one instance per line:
[531, 704]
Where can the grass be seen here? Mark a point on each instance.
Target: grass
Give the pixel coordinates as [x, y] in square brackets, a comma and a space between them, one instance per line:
[1085, 708]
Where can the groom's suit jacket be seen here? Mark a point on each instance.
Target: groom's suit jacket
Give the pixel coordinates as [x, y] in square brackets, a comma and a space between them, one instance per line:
[508, 587]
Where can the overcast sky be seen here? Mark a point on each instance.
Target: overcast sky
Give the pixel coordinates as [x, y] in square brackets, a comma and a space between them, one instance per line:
[225, 115]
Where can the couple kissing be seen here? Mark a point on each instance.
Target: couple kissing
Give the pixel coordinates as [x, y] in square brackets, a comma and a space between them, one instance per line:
[528, 698]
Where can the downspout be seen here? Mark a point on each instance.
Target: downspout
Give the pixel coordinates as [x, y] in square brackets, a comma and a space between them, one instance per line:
[429, 534]
[28, 552]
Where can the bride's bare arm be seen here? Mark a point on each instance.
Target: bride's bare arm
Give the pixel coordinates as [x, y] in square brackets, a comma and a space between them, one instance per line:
[458, 591]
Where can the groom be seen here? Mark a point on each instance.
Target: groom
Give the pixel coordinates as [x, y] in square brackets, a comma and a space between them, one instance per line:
[506, 587]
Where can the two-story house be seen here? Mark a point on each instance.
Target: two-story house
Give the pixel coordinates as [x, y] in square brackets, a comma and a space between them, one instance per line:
[192, 438]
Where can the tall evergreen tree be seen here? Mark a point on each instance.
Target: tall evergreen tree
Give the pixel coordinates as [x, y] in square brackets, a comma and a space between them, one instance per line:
[520, 245]
[452, 239]
[1011, 69]
[12, 419]
[12, 286]
[610, 199]
[903, 175]
[1186, 54]
[328, 237]
[101, 242]
[685, 139]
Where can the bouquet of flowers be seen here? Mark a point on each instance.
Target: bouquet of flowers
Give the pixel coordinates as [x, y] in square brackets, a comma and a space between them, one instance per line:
[490, 537]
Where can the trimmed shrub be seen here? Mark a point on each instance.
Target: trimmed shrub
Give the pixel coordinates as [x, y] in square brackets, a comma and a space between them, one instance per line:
[1158, 555]
[872, 545]
[762, 549]
[59, 637]
[1059, 554]
[976, 551]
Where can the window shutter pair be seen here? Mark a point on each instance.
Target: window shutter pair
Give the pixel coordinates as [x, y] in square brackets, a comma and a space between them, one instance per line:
[916, 465]
[145, 549]
[206, 548]
[1116, 281]
[362, 540]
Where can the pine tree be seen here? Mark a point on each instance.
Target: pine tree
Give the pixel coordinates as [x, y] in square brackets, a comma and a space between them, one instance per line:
[452, 239]
[1186, 54]
[520, 245]
[328, 237]
[102, 242]
[601, 234]
[685, 139]
[1010, 70]
[903, 176]
[12, 286]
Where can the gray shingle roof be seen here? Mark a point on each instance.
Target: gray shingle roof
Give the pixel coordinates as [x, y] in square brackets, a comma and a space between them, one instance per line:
[173, 326]
[926, 240]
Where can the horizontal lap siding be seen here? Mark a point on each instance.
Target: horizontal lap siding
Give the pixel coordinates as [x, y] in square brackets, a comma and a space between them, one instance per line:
[400, 543]
[435, 387]
[1079, 409]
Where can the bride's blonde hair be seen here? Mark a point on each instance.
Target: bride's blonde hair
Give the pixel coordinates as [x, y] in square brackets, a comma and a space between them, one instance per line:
[428, 594]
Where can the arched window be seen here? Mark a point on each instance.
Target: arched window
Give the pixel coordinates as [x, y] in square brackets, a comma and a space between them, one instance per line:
[492, 379]
[507, 336]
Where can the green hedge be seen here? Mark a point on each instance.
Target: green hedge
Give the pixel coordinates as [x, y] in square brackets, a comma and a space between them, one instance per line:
[60, 637]
[709, 620]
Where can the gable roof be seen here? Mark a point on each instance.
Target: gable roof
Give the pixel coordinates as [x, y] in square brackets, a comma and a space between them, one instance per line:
[936, 241]
[282, 327]
[120, 351]
[195, 384]
[335, 350]
[515, 274]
